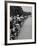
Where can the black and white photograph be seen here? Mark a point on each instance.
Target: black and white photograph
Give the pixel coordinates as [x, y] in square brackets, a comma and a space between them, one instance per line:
[20, 22]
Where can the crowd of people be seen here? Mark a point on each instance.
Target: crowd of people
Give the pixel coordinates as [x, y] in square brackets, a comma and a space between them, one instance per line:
[17, 16]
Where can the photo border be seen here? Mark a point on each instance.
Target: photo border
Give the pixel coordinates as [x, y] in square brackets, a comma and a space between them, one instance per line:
[6, 22]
